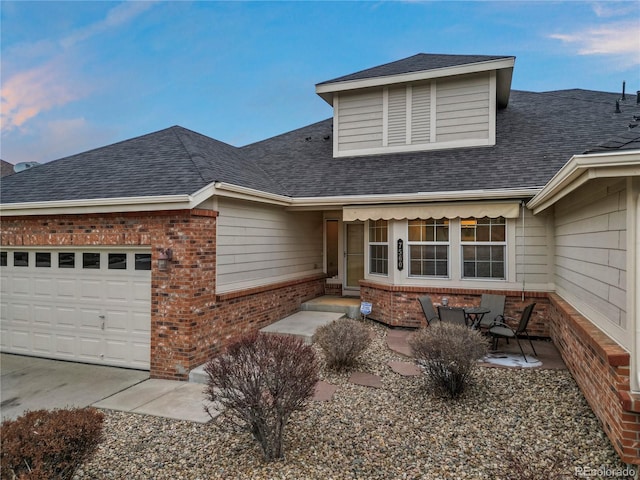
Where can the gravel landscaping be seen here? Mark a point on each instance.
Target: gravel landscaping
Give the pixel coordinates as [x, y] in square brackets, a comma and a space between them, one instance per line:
[511, 423]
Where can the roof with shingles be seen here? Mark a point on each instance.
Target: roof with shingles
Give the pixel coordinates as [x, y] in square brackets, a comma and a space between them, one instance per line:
[536, 135]
[416, 63]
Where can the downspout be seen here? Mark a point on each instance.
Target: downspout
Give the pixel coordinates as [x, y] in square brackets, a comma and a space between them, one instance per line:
[524, 251]
[633, 300]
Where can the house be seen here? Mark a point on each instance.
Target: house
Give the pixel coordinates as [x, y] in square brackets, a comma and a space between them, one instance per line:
[433, 176]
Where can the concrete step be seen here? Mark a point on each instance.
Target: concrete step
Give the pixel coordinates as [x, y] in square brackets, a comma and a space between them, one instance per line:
[198, 375]
[302, 324]
[349, 306]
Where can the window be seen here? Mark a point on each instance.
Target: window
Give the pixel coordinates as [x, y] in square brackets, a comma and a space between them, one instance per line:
[143, 261]
[43, 259]
[66, 260]
[429, 247]
[3, 259]
[117, 261]
[20, 259]
[91, 260]
[483, 247]
[378, 247]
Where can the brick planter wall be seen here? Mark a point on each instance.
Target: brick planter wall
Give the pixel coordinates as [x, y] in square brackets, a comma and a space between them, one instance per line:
[188, 321]
[601, 368]
[398, 306]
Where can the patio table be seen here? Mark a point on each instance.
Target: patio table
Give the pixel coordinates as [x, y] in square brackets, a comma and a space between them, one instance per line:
[474, 315]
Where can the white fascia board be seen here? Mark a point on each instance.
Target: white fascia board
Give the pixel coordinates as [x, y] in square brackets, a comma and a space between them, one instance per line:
[230, 190]
[582, 168]
[326, 90]
[309, 203]
[97, 205]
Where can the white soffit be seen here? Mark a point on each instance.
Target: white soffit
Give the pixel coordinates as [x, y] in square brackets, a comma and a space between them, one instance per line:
[435, 210]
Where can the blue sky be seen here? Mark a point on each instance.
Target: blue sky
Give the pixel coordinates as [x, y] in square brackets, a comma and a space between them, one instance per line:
[81, 75]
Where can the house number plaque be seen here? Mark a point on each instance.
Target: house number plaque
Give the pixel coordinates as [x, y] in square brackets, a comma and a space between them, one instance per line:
[400, 254]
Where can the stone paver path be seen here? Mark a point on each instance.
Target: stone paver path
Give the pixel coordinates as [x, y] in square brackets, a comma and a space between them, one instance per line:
[324, 391]
[397, 341]
[406, 369]
[365, 379]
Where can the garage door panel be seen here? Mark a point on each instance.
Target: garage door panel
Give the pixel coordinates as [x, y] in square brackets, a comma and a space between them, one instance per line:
[118, 291]
[66, 317]
[66, 288]
[20, 340]
[43, 287]
[65, 345]
[20, 313]
[43, 343]
[141, 291]
[20, 286]
[117, 321]
[43, 315]
[91, 289]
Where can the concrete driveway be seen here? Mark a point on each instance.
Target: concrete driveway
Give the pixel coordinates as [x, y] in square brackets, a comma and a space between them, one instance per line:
[30, 383]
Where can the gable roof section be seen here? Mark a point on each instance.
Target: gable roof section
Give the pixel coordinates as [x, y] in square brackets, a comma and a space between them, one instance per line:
[424, 66]
[416, 63]
[170, 162]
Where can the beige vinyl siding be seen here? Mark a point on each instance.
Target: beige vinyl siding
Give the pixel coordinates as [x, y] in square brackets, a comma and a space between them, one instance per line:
[421, 114]
[590, 254]
[462, 110]
[360, 120]
[534, 251]
[262, 244]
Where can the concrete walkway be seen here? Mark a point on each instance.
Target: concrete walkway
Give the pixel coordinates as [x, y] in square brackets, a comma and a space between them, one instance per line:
[31, 383]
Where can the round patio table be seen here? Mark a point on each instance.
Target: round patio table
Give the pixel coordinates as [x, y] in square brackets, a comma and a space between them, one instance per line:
[474, 315]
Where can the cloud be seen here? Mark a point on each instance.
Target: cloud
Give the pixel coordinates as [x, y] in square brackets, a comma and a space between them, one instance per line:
[117, 16]
[618, 38]
[32, 91]
[26, 94]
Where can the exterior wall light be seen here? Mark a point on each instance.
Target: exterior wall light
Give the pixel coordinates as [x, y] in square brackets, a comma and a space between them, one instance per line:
[165, 256]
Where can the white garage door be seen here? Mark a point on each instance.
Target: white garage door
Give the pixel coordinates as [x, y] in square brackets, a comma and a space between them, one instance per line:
[85, 305]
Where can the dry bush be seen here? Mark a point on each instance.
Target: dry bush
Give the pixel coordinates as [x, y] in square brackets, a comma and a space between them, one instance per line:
[448, 354]
[43, 444]
[342, 341]
[260, 381]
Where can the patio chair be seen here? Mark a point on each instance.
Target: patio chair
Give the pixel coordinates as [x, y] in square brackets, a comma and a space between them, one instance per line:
[454, 315]
[495, 303]
[502, 330]
[427, 308]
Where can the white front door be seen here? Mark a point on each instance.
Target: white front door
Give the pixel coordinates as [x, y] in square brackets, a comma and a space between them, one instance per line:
[354, 255]
[83, 305]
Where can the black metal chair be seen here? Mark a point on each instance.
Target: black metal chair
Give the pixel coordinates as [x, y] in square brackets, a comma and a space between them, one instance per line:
[502, 330]
[427, 308]
[453, 315]
[495, 304]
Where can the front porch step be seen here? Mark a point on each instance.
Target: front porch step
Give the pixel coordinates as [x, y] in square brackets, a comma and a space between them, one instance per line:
[198, 375]
[349, 306]
[302, 324]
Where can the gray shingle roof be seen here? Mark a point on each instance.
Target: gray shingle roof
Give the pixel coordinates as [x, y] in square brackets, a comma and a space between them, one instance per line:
[174, 161]
[627, 140]
[536, 135]
[416, 63]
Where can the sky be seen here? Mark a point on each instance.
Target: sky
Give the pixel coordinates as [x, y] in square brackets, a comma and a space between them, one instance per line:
[79, 75]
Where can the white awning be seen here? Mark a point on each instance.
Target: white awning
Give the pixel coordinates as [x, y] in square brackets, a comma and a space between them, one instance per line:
[432, 210]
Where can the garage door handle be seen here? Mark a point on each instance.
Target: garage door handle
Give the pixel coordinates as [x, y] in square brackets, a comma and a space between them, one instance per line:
[102, 317]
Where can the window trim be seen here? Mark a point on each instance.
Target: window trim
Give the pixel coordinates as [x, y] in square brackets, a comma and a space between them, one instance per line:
[371, 243]
[411, 243]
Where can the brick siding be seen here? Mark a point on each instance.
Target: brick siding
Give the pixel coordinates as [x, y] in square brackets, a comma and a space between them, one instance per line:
[601, 368]
[398, 306]
[189, 322]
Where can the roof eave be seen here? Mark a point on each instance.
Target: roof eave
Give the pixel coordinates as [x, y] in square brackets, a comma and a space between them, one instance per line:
[582, 168]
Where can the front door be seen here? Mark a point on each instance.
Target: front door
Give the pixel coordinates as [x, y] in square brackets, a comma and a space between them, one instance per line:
[354, 255]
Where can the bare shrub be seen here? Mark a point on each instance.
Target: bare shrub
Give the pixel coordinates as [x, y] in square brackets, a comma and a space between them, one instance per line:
[260, 381]
[342, 341]
[44, 444]
[448, 354]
